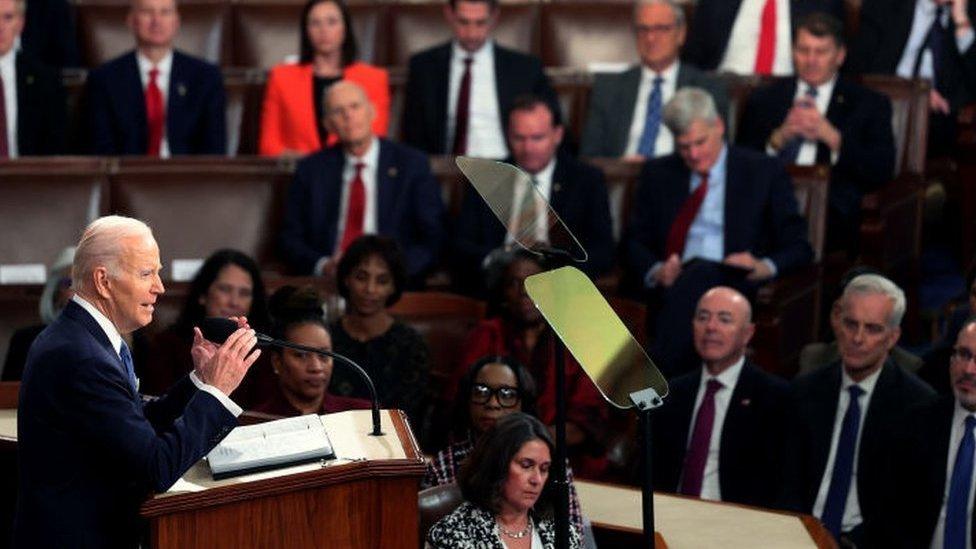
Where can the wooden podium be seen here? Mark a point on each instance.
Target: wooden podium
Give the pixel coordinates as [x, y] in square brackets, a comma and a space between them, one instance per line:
[367, 497]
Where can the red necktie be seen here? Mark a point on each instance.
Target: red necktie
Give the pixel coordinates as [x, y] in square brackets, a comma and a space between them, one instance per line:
[4, 147]
[155, 117]
[767, 39]
[461, 111]
[693, 471]
[678, 233]
[356, 209]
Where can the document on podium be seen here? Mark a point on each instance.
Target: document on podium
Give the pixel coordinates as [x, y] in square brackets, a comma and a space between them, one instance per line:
[264, 446]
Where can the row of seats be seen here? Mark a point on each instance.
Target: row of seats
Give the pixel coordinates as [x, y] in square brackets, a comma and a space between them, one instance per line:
[260, 34]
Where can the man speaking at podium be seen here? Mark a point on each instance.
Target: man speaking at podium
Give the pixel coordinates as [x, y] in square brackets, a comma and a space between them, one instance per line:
[89, 450]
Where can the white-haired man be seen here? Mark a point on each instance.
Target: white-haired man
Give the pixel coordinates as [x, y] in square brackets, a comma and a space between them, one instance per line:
[841, 431]
[89, 449]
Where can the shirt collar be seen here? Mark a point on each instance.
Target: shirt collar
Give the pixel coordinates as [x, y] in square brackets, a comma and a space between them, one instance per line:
[729, 376]
[959, 413]
[545, 174]
[370, 159]
[484, 52]
[867, 384]
[164, 66]
[716, 174]
[669, 74]
[823, 90]
[110, 330]
[7, 60]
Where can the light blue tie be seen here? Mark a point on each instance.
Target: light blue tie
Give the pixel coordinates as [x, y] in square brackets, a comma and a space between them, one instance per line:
[652, 122]
[957, 504]
[129, 369]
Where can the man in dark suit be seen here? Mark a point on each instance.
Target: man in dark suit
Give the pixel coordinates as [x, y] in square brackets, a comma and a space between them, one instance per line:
[718, 434]
[749, 36]
[576, 191]
[90, 451]
[49, 33]
[33, 102]
[818, 117]
[458, 93]
[155, 100]
[624, 117]
[363, 184]
[922, 38]
[730, 209]
[933, 462]
[840, 434]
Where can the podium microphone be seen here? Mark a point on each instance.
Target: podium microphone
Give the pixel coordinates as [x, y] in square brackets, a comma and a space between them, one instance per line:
[217, 330]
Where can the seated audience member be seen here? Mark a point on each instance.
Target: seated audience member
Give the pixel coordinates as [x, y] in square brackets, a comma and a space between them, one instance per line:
[457, 93]
[49, 33]
[32, 110]
[370, 277]
[749, 36]
[228, 284]
[844, 415]
[360, 185]
[57, 292]
[493, 387]
[156, 100]
[719, 433]
[624, 117]
[508, 494]
[292, 121]
[303, 377]
[519, 331]
[930, 39]
[819, 117]
[576, 191]
[817, 355]
[731, 210]
[930, 485]
[934, 371]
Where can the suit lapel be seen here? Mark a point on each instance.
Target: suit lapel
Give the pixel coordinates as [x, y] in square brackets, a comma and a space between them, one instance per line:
[503, 84]
[76, 312]
[441, 90]
[176, 100]
[25, 103]
[331, 193]
[838, 111]
[132, 84]
[736, 202]
[387, 177]
[630, 81]
[558, 190]
[823, 407]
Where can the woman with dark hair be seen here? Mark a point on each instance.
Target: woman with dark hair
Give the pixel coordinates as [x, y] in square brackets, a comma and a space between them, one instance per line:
[370, 277]
[494, 387]
[508, 495]
[292, 115]
[303, 377]
[518, 330]
[227, 284]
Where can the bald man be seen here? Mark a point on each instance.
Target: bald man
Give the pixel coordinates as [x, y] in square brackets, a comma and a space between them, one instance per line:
[717, 433]
[90, 451]
[362, 184]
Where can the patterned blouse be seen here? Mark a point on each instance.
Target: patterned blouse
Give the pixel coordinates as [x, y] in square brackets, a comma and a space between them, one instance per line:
[444, 467]
[470, 527]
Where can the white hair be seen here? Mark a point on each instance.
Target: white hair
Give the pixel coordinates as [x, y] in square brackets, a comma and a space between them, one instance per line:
[101, 246]
[873, 284]
[679, 13]
[687, 106]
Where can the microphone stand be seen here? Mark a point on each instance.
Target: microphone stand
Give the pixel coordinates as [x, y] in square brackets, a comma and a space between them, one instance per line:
[265, 341]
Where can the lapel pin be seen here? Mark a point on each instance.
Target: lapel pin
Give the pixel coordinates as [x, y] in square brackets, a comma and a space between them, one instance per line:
[30, 79]
[746, 401]
[392, 172]
[840, 98]
[556, 187]
[181, 90]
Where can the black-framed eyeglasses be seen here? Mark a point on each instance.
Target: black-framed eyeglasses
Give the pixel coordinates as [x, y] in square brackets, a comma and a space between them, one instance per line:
[507, 396]
[963, 355]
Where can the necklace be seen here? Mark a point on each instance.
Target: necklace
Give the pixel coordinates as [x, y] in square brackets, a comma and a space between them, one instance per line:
[516, 535]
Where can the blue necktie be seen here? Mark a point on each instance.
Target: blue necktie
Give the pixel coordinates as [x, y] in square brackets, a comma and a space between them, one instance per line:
[957, 504]
[791, 150]
[652, 122]
[129, 369]
[840, 479]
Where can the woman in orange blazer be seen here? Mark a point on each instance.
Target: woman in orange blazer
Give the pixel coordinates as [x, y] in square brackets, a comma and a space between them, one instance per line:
[291, 117]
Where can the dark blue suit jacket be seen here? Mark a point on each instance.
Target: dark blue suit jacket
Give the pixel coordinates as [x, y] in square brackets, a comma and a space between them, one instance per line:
[409, 208]
[751, 435]
[863, 118]
[90, 452]
[194, 108]
[761, 215]
[579, 196]
[711, 27]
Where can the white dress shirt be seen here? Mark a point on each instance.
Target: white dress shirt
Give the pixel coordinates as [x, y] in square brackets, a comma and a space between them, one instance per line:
[808, 150]
[543, 183]
[740, 52]
[664, 144]
[165, 68]
[711, 487]
[115, 338]
[852, 509]
[8, 70]
[486, 138]
[925, 11]
[955, 437]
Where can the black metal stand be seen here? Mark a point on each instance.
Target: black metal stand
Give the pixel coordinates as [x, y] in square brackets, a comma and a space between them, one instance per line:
[647, 483]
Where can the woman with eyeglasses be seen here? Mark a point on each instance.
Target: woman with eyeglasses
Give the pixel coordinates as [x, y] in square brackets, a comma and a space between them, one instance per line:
[493, 388]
